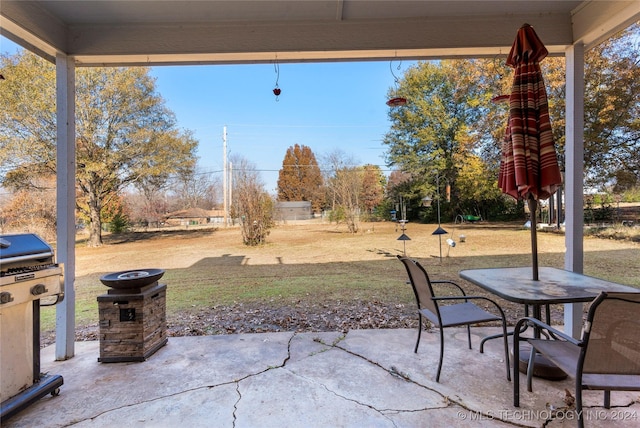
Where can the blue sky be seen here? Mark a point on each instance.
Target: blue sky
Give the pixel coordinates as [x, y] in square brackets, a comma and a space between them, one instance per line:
[326, 106]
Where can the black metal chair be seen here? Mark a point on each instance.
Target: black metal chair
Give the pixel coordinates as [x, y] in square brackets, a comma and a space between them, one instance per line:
[607, 358]
[452, 315]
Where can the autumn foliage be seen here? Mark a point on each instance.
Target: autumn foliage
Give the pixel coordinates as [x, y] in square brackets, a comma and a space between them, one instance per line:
[300, 178]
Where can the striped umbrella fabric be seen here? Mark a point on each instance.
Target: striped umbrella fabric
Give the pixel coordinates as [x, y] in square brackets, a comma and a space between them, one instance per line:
[529, 165]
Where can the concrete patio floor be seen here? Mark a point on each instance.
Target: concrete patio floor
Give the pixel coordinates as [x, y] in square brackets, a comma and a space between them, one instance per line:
[366, 378]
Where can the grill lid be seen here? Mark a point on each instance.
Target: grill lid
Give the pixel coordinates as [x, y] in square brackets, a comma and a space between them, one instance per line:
[23, 247]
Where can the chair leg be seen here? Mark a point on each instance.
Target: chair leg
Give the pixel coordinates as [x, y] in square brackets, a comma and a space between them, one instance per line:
[532, 362]
[607, 399]
[516, 371]
[493, 336]
[419, 332]
[506, 350]
[579, 402]
[469, 335]
[547, 312]
[441, 354]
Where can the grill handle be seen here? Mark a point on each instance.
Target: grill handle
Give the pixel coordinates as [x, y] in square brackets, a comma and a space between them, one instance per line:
[59, 298]
[27, 257]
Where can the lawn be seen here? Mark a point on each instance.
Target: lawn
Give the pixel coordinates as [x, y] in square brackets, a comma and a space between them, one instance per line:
[316, 276]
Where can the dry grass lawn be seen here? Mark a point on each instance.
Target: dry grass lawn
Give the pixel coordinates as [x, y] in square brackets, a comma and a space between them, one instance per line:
[317, 276]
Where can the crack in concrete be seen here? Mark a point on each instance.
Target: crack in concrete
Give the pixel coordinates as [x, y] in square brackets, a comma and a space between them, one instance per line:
[393, 371]
[151, 400]
[353, 400]
[235, 405]
[235, 382]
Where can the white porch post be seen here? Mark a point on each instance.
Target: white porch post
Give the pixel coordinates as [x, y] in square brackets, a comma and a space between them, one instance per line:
[66, 179]
[574, 194]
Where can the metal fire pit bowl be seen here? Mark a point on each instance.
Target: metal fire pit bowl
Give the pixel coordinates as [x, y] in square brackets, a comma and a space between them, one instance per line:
[132, 278]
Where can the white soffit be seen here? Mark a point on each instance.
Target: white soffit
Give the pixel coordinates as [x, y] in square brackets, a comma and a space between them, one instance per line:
[147, 32]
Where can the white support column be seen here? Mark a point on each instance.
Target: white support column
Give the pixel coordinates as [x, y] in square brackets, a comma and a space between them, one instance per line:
[574, 177]
[66, 203]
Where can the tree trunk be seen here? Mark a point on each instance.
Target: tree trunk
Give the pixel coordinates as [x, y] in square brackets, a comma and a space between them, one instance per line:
[95, 223]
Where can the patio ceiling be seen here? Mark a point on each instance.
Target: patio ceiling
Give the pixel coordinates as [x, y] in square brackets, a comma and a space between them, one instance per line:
[147, 32]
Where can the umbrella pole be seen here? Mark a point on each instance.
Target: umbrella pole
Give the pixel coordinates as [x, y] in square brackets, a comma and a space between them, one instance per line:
[533, 207]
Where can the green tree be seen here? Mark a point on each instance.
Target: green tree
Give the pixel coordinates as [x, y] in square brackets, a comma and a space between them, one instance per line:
[437, 124]
[300, 178]
[124, 132]
[116, 215]
[477, 191]
[400, 192]
[612, 108]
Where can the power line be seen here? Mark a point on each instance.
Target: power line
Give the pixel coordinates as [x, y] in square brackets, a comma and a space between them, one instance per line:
[383, 169]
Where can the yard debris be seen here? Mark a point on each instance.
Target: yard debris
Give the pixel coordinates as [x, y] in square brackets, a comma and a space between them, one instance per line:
[397, 373]
[569, 399]
[297, 316]
[259, 318]
[560, 412]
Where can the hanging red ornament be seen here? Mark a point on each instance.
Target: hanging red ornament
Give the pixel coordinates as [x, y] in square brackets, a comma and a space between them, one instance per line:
[277, 90]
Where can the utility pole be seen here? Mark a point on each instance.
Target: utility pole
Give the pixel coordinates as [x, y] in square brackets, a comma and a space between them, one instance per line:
[230, 186]
[224, 176]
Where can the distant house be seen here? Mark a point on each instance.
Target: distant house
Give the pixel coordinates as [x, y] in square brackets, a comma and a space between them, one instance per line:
[189, 217]
[216, 216]
[298, 210]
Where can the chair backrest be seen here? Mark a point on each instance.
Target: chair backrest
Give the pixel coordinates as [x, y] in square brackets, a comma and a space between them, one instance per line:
[612, 335]
[421, 285]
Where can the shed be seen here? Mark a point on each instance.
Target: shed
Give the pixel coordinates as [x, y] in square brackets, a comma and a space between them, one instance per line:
[293, 210]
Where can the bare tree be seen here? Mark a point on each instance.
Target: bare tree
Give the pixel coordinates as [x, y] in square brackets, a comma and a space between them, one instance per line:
[344, 181]
[31, 209]
[251, 204]
[196, 189]
[147, 205]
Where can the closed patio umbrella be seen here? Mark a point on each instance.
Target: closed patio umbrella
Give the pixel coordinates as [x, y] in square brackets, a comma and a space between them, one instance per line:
[529, 167]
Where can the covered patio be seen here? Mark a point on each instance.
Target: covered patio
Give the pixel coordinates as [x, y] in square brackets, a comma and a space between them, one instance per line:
[369, 377]
[107, 33]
